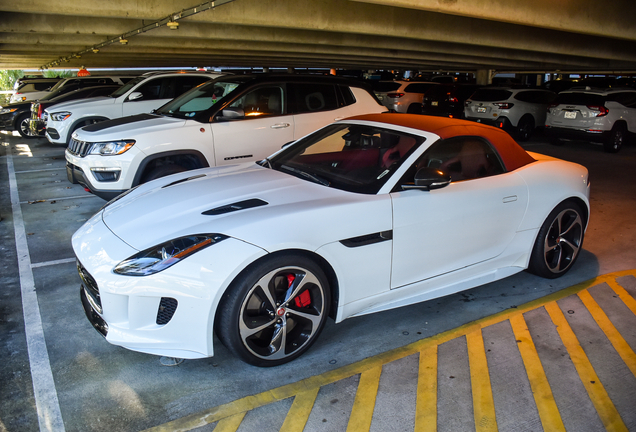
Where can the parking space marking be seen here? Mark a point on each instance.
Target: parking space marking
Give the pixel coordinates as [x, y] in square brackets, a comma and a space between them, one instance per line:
[304, 392]
[40, 170]
[64, 198]
[541, 390]
[483, 402]
[45, 393]
[604, 407]
[50, 263]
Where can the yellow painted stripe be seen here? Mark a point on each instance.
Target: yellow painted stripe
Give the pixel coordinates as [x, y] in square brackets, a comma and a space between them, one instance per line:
[230, 424]
[299, 412]
[483, 402]
[604, 407]
[247, 403]
[629, 301]
[541, 390]
[364, 404]
[426, 404]
[620, 345]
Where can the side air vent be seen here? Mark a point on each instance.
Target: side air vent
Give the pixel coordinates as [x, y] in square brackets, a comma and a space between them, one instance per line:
[167, 308]
[241, 205]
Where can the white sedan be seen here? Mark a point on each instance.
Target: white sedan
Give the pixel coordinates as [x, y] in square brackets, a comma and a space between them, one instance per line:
[367, 214]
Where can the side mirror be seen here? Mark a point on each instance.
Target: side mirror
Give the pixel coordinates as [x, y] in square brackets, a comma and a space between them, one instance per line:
[135, 95]
[428, 178]
[232, 113]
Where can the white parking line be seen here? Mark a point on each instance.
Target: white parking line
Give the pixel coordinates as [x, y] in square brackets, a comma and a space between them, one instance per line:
[46, 401]
[50, 263]
[40, 170]
[61, 199]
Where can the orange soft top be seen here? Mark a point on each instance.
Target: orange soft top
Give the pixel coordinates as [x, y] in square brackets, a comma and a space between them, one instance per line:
[512, 154]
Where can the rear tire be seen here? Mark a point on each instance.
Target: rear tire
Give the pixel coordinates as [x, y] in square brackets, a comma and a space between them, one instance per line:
[559, 241]
[616, 139]
[525, 127]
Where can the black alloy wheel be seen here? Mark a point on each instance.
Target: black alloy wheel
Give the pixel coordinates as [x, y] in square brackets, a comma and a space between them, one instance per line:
[559, 242]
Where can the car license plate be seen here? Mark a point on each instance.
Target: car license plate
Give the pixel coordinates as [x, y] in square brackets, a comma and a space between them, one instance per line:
[569, 114]
[481, 109]
[434, 103]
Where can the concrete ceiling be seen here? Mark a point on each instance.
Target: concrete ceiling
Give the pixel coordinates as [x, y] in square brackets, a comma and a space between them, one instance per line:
[432, 35]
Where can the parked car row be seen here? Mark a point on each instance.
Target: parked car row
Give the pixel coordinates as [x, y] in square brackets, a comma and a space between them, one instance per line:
[602, 115]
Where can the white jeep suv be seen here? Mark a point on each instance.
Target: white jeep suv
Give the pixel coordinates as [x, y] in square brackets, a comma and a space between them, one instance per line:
[229, 120]
[516, 110]
[139, 95]
[597, 115]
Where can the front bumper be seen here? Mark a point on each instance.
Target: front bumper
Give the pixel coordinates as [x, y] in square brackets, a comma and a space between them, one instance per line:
[168, 313]
[76, 175]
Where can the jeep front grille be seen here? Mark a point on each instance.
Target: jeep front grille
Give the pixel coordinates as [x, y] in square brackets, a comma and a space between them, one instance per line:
[78, 148]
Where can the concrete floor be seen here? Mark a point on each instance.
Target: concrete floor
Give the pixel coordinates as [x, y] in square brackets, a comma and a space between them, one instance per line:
[86, 384]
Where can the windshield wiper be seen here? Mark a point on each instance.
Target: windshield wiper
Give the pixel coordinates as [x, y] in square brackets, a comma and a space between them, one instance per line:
[310, 176]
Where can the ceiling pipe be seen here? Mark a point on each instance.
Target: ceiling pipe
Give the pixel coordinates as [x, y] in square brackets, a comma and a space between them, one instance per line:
[171, 21]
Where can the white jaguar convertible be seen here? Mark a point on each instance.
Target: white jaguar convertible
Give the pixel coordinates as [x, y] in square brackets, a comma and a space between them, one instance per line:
[367, 214]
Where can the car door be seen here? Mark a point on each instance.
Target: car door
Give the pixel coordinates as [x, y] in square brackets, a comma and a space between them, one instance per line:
[262, 130]
[469, 221]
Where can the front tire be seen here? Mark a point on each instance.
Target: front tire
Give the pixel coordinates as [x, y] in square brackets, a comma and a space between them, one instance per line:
[559, 242]
[274, 311]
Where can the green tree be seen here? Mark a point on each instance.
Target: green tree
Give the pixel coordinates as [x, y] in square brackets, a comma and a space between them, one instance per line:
[8, 78]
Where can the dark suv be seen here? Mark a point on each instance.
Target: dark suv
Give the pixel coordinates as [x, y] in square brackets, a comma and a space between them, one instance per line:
[447, 100]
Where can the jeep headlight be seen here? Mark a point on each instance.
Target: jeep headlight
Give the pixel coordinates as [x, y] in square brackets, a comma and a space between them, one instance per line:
[111, 148]
[60, 116]
[160, 257]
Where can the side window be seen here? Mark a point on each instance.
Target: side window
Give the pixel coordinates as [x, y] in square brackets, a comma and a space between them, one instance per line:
[314, 97]
[464, 158]
[187, 82]
[159, 88]
[347, 95]
[262, 101]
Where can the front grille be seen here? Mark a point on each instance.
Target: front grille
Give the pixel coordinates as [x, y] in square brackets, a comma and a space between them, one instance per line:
[91, 286]
[78, 148]
[167, 308]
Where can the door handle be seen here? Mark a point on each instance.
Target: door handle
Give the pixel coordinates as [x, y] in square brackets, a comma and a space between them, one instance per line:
[279, 125]
[510, 199]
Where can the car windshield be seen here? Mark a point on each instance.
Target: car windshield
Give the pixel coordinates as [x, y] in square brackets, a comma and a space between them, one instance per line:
[200, 99]
[353, 158]
[130, 84]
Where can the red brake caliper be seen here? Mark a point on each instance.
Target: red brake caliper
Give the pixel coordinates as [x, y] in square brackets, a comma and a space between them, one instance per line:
[302, 300]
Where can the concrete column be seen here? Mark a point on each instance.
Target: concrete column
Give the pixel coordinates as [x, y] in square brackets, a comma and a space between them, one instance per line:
[484, 76]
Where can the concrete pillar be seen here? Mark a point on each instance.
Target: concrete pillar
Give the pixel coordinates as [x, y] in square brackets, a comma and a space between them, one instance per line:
[484, 76]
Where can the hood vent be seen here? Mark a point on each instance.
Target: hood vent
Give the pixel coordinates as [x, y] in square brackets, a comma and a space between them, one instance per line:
[241, 205]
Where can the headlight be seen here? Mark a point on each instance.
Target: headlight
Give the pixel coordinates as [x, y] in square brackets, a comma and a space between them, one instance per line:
[7, 110]
[158, 258]
[111, 148]
[60, 116]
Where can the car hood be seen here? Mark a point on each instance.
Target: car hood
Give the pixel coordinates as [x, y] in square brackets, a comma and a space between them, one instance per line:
[268, 208]
[79, 104]
[128, 127]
